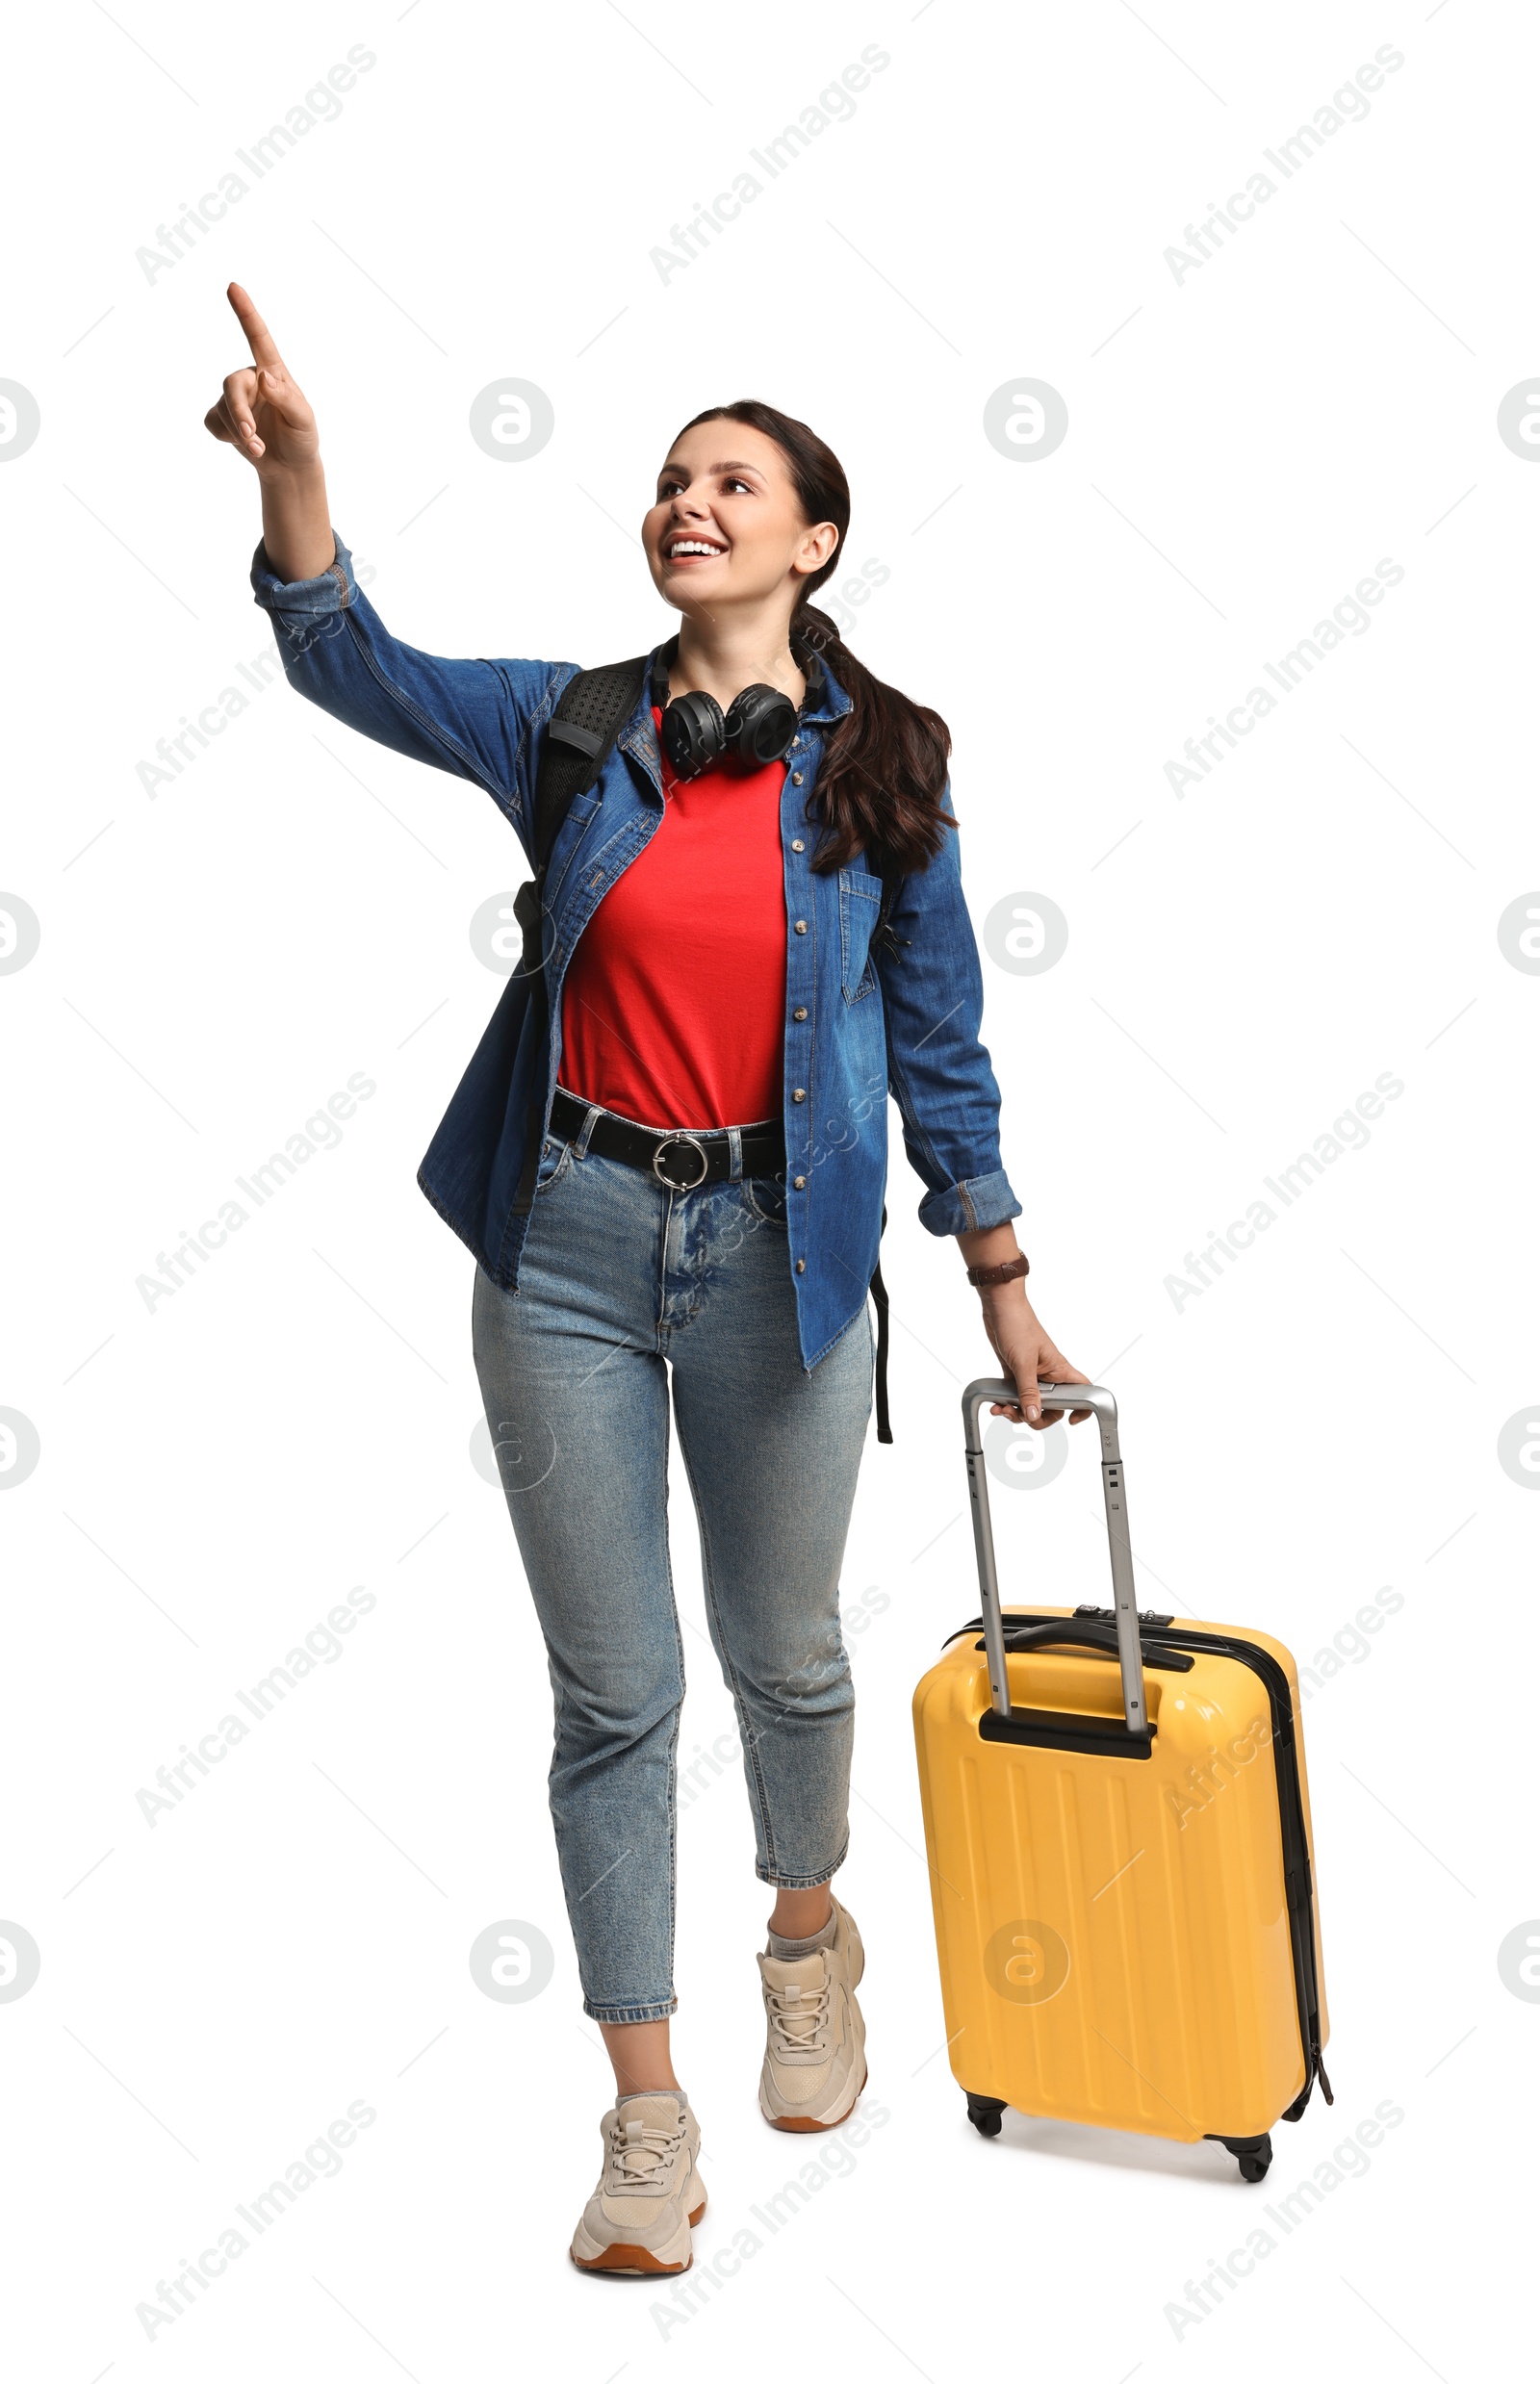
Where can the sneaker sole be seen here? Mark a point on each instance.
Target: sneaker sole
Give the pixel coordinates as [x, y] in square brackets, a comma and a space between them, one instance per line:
[635, 2260]
[816, 2127]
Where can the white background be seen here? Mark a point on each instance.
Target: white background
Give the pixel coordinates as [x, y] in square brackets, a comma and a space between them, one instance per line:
[1243, 446]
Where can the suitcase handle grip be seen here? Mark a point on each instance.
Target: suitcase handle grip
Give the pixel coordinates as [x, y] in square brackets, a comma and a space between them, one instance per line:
[1104, 1407]
[1040, 1638]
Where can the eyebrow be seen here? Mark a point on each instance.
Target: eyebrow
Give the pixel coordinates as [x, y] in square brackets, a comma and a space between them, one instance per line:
[679, 469]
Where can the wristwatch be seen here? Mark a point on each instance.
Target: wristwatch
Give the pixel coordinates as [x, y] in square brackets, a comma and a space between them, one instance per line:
[1007, 1272]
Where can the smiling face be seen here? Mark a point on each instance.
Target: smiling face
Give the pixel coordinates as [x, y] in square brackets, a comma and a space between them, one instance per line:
[728, 530]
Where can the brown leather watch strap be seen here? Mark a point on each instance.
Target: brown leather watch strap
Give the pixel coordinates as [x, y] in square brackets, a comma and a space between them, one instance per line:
[1007, 1272]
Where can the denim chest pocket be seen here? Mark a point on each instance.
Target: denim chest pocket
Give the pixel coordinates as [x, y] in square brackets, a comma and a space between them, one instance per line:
[860, 901]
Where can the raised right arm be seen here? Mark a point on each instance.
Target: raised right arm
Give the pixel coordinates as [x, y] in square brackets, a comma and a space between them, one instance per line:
[471, 717]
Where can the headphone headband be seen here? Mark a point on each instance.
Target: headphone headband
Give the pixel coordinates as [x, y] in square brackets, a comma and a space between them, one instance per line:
[805, 655]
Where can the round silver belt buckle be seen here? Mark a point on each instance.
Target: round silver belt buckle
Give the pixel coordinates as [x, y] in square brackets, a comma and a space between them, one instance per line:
[668, 1143]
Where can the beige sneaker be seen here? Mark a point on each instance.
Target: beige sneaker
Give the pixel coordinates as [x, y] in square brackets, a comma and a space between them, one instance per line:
[815, 2057]
[637, 2220]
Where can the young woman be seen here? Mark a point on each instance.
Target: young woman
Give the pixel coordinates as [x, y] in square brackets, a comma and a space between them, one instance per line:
[669, 1152]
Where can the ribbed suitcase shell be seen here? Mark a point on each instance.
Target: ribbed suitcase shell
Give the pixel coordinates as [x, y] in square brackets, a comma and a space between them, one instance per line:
[1155, 1886]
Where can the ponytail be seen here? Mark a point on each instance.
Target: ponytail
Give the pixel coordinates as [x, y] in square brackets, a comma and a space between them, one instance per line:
[885, 767]
[885, 762]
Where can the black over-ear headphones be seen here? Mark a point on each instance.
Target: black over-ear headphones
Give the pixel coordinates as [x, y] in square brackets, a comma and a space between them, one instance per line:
[756, 728]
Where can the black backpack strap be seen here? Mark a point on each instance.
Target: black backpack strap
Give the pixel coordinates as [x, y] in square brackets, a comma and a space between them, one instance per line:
[879, 1290]
[589, 716]
[885, 940]
[590, 713]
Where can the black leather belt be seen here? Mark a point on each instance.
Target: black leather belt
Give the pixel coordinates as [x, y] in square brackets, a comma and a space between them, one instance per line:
[681, 1160]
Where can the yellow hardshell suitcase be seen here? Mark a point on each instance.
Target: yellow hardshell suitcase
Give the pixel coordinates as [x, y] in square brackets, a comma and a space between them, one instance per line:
[1117, 1826]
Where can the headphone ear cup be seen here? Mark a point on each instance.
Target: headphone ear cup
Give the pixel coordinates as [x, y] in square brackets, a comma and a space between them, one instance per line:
[759, 726]
[694, 733]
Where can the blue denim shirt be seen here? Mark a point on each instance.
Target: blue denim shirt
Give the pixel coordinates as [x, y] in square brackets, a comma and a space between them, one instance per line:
[858, 1026]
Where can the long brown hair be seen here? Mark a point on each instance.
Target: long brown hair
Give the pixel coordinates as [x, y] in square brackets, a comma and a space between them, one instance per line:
[885, 763]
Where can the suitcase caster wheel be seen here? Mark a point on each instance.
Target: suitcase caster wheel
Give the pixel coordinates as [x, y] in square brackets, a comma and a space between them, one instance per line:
[984, 2112]
[1253, 2153]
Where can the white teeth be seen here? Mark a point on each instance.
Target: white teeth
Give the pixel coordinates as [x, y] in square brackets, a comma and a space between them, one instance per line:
[691, 546]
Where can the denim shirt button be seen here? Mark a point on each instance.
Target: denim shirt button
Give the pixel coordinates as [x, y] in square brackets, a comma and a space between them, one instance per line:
[802, 1265]
[801, 927]
[799, 1183]
[796, 841]
[799, 1095]
[799, 1013]
[796, 780]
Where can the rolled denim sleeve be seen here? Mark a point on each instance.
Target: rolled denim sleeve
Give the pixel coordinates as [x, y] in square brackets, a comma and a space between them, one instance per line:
[939, 1070]
[471, 718]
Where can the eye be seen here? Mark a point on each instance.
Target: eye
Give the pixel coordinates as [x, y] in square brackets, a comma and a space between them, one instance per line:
[732, 481]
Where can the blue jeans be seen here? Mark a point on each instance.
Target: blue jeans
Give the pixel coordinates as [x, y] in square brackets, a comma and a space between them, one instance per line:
[620, 1280]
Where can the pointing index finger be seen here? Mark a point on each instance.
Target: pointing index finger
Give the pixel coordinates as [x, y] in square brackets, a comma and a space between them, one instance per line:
[264, 347]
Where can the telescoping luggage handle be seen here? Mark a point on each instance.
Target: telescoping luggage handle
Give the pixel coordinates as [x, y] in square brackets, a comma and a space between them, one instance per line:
[1104, 1407]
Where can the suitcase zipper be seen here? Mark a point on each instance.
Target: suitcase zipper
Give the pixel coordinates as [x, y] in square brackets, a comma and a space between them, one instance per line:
[1298, 1886]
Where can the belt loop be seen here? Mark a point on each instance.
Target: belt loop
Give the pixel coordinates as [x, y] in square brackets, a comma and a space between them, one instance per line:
[580, 1150]
[735, 1155]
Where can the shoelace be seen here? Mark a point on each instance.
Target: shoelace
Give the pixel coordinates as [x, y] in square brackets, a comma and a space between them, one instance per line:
[639, 2154]
[799, 2017]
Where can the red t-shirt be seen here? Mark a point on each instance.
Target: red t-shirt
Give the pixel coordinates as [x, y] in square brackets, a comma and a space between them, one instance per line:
[673, 1011]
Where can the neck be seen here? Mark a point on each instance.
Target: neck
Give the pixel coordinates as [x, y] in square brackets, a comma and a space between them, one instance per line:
[723, 656]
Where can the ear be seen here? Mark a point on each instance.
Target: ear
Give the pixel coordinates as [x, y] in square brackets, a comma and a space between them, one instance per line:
[814, 549]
